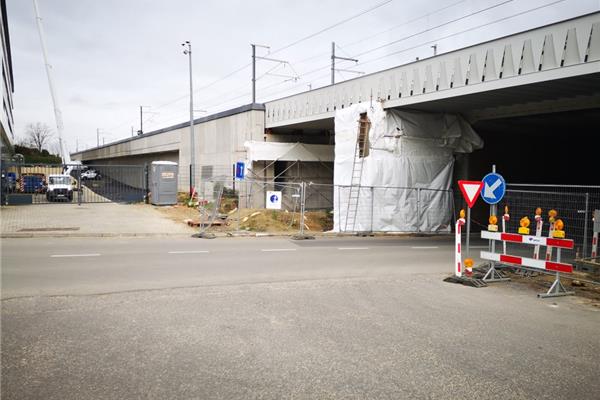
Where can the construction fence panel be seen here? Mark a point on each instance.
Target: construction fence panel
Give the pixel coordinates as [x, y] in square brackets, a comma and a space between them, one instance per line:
[574, 205]
[231, 195]
[379, 209]
[357, 218]
[394, 209]
[319, 196]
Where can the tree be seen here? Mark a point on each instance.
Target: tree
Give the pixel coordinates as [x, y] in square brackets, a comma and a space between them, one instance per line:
[38, 135]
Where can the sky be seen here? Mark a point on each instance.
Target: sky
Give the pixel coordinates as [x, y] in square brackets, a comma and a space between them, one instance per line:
[109, 57]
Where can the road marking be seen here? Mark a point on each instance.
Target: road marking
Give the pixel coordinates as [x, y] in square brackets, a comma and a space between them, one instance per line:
[278, 249]
[75, 255]
[425, 247]
[353, 248]
[188, 252]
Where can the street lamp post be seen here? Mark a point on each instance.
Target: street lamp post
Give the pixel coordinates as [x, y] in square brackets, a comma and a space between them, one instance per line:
[188, 51]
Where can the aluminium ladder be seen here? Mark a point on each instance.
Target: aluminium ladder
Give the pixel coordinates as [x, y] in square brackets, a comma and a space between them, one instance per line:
[360, 151]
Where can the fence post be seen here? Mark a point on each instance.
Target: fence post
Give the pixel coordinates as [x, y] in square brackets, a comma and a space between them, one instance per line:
[239, 206]
[372, 206]
[79, 189]
[190, 179]
[336, 210]
[418, 209]
[146, 185]
[302, 206]
[585, 225]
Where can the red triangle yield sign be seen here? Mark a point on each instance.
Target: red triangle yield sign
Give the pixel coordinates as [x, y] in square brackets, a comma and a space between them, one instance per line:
[470, 191]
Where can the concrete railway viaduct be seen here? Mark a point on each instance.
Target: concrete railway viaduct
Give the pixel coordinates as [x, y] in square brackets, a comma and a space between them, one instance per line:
[534, 97]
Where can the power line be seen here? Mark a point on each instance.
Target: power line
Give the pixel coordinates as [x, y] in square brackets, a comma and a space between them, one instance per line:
[408, 22]
[416, 34]
[433, 40]
[229, 100]
[276, 51]
[404, 23]
[434, 27]
[460, 32]
[400, 51]
[376, 6]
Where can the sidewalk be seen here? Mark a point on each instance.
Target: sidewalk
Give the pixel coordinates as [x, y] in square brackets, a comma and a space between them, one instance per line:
[94, 220]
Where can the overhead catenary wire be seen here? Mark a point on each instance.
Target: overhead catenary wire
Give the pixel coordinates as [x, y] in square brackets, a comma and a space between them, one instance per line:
[416, 46]
[435, 27]
[438, 38]
[376, 6]
[405, 23]
[415, 34]
[303, 39]
[237, 70]
[459, 33]
[291, 89]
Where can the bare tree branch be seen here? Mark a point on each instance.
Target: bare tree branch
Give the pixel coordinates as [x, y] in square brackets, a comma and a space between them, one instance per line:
[38, 134]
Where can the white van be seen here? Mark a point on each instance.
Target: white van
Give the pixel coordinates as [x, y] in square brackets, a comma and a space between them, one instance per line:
[59, 188]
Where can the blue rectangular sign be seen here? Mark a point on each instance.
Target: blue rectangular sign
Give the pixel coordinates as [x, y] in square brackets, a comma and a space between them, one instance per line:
[240, 169]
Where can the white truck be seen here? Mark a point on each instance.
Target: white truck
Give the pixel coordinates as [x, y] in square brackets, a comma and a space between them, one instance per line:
[60, 187]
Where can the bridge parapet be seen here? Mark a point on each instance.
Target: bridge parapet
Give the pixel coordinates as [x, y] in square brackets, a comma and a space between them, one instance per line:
[528, 55]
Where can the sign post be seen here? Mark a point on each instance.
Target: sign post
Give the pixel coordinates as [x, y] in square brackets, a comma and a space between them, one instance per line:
[470, 191]
[494, 189]
[240, 172]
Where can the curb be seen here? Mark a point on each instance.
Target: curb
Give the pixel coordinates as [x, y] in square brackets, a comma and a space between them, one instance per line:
[32, 235]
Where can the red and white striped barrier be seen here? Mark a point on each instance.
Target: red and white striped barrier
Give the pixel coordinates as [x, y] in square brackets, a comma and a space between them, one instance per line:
[458, 257]
[595, 245]
[528, 239]
[527, 262]
[505, 219]
[549, 249]
[539, 222]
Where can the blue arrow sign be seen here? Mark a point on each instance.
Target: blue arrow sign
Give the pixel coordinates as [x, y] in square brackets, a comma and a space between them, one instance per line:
[494, 188]
[240, 170]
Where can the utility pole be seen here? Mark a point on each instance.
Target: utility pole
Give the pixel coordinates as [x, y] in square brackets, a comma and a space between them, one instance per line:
[333, 63]
[97, 137]
[188, 51]
[434, 47]
[333, 58]
[254, 58]
[141, 131]
[253, 73]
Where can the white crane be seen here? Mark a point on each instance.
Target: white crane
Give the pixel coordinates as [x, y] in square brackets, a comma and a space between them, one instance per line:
[66, 157]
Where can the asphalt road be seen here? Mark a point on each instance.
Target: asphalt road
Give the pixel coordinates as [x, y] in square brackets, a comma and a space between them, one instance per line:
[272, 318]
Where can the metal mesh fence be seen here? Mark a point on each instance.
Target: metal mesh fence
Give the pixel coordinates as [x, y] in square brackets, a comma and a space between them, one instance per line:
[43, 184]
[574, 204]
[385, 209]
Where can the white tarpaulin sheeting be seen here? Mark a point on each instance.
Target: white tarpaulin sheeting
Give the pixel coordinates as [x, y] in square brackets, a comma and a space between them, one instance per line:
[407, 150]
[276, 151]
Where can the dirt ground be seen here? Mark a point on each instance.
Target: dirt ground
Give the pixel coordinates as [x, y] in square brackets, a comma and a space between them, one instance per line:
[254, 220]
[580, 283]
